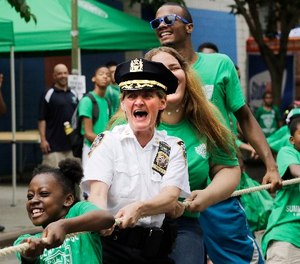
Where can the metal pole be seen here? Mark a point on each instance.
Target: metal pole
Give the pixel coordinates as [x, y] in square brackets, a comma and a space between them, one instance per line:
[74, 34]
[13, 125]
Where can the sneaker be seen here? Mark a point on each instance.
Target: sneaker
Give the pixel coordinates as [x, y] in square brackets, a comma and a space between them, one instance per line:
[1, 228]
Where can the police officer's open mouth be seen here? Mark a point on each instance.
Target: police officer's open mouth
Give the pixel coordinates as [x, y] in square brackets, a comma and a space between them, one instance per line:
[139, 113]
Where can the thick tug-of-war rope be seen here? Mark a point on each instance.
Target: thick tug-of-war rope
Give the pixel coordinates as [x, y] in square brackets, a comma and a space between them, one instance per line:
[24, 246]
[263, 187]
[14, 249]
[118, 221]
[254, 189]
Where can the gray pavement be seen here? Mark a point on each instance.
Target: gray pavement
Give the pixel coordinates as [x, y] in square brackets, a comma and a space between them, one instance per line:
[14, 218]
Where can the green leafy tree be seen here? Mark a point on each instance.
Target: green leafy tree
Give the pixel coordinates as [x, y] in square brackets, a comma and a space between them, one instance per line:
[276, 22]
[22, 8]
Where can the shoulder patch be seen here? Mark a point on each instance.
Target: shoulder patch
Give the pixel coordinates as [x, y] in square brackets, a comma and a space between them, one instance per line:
[96, 142]
[182, 145]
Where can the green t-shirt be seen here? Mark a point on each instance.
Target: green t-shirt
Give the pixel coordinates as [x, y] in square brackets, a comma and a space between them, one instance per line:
[78, 249]
[197, 156]
[268, 119]
[86, 109]
[284, 221]
[279, 138]
[221, 84]
[112, 94]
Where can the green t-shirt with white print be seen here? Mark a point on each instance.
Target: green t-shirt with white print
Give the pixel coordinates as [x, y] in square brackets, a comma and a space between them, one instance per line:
[80, 248]
[284, 221]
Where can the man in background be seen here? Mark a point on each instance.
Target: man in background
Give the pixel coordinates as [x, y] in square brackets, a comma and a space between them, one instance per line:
[92, 125]
[56, 107]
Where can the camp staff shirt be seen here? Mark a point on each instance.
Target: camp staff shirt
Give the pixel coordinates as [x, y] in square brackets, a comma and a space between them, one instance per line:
[117, 159]
[221, 85]
[197, 155]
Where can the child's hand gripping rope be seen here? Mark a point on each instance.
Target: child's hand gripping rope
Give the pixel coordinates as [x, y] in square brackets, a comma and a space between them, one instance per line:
[31, 244]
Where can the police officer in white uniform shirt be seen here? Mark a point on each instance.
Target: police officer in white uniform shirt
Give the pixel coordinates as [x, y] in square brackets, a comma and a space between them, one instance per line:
[137, 172]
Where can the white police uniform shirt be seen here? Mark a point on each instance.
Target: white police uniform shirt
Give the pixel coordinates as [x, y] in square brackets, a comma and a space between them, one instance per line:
[134, 173]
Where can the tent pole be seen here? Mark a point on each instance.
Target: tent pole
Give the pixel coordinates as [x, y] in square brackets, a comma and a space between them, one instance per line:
[74, 34]
[79, 61]
[13, 124]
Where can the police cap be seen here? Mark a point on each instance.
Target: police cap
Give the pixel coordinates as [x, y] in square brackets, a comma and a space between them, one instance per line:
[141, 74]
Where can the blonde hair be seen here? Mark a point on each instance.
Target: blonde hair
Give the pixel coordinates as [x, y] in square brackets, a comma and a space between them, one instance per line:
[201, 113]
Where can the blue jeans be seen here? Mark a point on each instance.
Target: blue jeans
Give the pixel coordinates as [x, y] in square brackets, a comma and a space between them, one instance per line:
[189, 247]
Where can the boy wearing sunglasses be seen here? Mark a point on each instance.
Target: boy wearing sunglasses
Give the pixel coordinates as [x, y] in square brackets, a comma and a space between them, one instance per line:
[226, 234]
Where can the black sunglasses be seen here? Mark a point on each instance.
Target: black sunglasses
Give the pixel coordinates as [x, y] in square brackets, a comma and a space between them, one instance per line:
[169, 20]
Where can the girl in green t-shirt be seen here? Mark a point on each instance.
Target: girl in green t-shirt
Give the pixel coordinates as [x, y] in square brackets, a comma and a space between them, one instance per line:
[53, 204]
[281, 240]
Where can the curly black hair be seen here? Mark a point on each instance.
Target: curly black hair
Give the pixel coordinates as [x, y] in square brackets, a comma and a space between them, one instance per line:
[69, 173]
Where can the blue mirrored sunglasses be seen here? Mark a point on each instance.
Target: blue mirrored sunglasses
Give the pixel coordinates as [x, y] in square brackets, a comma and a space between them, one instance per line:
[169, 20]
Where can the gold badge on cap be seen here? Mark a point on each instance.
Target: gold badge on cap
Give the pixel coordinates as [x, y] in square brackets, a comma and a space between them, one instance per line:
[136, 65]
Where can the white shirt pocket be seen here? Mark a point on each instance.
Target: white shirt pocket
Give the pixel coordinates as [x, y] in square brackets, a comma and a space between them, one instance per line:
[125, 181]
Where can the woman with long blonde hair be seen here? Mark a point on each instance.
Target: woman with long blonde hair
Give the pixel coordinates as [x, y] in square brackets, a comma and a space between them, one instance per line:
[211, 154]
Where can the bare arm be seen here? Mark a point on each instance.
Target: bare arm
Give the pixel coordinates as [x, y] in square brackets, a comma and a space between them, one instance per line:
[257, 140]
[44, 145]
[224, 182]
[161, 203]
[247, 147]
[130, 214]
[295, 170]
[98, 193]
[88, 129]
[91, 221]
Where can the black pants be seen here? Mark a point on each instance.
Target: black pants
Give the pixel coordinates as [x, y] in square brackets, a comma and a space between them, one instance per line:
[137, 246]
